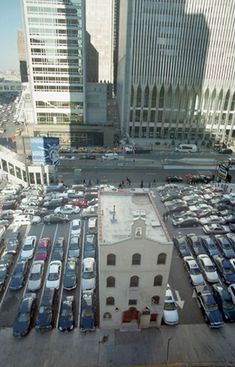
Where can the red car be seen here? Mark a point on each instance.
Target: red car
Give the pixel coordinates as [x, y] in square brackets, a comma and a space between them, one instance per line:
[42, 249]
[81, 203]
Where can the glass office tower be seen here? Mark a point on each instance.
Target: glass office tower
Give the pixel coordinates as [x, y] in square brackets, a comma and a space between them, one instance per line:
[55, 39]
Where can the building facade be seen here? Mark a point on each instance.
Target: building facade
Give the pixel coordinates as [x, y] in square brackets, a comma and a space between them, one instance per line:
[135, 253]
[22, 56]
[55, 40]
[100, 26]
[176, 70]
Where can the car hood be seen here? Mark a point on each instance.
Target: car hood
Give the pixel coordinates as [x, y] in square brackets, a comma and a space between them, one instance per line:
[16, 283]
[69, 281]
[87, 323]
[20, 328]
[215, 318]
[88, 284]
[44, 319]
[229, 278]
[212, 277]
[65, 322]
[171, 317]
[41, 256]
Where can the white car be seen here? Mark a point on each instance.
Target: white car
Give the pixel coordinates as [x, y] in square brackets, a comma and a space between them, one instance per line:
[76, 227]
[54, 274]
[231, 290]
[208, 268]
[170, 312]
[214, 228]
[36, 274]
[28, 247]
[67, 209]
[36, 219]
[88, 274]
[193, 270]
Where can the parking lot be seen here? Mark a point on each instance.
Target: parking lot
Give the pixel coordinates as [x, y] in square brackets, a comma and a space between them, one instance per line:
[11, 298]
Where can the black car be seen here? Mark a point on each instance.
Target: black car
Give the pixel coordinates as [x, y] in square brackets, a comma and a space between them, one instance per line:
[7, 259]
[66, 320]
[70, 275]
[182, 246]
[225, 151]
[55, 218]
[87, 318]
[209, 307]
[224, 301]
[23, 321]
[225, 269]
[195, 244]
[3, 276]
[171, 179]
[89, 246]
[58, 250]
[44, 320]
[18, 277]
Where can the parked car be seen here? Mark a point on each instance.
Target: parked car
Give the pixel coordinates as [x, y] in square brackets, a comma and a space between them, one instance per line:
[67, 210]
[170, 311]
[28, 247]
[75, 227]
[195, 243]
[87, 318]
[186, 222]
[44, 320]
[54, 275]
[66, 320]
[193, 271]
[88, 274]
[36, 274]
[225, 246]
[225, 151]
[209, 307]
[224, 301]
[3, 276]
[215, 228]
[231, 289]
[70, 275]
[18, 276]
[225, 269]
[58, 250]
[182, 246]
[210, 245]
[81, 203]
[74, 250]
[55, 219]
[6, 259]
[208, 268]
[89, 246]
[12, 242]
[24, 318]
[42, 249]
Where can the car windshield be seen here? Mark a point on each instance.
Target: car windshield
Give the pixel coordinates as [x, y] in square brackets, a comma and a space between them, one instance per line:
[35, 276]
[27, 247]
[88, 313]
[53, 276]
[23, 317]
[226, 246]
[73, 246]
[209, 268]
[41, 250]
[88, 275]
[195, 271]
[169, 306]
[76, 228]
[44, 309]
[66, 312]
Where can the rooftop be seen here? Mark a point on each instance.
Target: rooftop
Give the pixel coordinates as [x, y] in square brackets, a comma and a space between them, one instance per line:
[118, 211]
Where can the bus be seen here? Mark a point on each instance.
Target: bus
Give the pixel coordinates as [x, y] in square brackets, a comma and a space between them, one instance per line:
[187, 148]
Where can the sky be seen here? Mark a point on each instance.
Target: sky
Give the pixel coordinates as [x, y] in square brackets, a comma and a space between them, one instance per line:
[10, 21]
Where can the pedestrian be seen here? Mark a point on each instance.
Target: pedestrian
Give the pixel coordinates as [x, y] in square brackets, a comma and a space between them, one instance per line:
[141, 184]
[123, 183]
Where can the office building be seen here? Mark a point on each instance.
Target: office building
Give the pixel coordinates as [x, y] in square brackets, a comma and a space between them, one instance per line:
[100, 26]
[22, 56]
[135, 253]
[55, 39]
[176, 70]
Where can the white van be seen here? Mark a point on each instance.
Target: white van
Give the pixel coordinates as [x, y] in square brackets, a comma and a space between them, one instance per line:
[110, 157]
[187, 148]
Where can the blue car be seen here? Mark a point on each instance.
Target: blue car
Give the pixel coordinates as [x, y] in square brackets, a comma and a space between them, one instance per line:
[224, 301]
[66, 321]
[24, 318]
[209, 307]
[225, 269]
[210, 245]
[18, 277]
[44, 320]
[225, 246]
